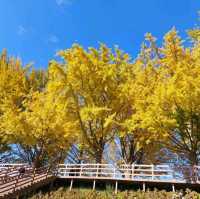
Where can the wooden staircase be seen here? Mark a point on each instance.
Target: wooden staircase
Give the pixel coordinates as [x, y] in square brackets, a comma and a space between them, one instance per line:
[13, 184]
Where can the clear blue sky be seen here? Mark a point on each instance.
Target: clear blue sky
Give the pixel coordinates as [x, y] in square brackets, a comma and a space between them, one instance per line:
[35, 29]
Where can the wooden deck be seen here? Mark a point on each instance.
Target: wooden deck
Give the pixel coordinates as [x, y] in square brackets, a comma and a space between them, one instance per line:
[13, 184]
[143, 175]
[152, 173]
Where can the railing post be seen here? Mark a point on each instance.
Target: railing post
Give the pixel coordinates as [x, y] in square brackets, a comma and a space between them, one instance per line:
[71, 184]
[33, 178]
[65, 174]
[15, 186]
[116, 187]
[133, 166]
[173, 188]
[144, 186]
[114, 173]
[81, 170]
[197, 174]
[172, 173]
[6, 175]
[125, 171]
[152, 167]
[75, 171]
[47, 172]
[94, 183]
[97, 173]
[57, 170]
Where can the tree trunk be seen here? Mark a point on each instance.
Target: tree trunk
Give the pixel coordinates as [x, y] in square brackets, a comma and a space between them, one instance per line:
[37, 163]
[39, 159]
[193, 162]
[99, 156]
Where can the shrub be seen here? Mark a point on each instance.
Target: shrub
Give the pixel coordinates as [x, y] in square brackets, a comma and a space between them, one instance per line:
[63, 193]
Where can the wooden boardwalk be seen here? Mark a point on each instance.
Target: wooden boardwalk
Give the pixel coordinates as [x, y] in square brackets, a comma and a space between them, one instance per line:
[14, 184]
[132, 174]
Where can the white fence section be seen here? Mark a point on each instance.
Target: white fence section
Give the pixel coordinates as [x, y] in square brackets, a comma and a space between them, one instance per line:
[135, 172]
[12, 166]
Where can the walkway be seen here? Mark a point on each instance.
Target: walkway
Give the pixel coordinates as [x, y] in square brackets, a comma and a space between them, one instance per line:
[137, 174]
[12, 183]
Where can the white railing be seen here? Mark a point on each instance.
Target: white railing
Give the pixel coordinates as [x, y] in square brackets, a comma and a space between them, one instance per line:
[14, 166]
[135, 172]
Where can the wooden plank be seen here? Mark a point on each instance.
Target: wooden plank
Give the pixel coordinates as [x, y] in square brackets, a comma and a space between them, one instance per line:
[22, 181]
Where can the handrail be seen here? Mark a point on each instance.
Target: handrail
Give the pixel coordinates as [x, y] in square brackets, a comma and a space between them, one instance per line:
[162, 173]
[11, 180]
[3, 165]
[28, 178]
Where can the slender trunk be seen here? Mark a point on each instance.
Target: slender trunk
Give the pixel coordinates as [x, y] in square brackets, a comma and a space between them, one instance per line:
[39, 158]
[98, 159]
[37, 163]
[193, 162]
[193, 158]
[99, 156]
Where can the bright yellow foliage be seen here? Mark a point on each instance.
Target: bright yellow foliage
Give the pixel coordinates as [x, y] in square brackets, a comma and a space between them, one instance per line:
[93, 95]
[12, 89]
[30, 115]
[41, 121]
[91, 82]
[165, 96]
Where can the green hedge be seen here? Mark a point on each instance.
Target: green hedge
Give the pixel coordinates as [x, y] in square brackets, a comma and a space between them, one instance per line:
[89, 194]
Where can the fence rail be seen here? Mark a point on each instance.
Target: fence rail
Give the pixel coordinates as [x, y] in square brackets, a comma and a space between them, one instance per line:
[135, 172]
[11, 180]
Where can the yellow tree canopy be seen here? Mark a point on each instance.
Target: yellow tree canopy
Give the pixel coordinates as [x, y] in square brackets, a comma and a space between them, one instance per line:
[29, 114]
[166, 96]
[12, 88]
[42, 123]
[90, 82]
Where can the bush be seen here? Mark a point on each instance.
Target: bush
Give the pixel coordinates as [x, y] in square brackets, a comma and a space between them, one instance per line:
[63, 193]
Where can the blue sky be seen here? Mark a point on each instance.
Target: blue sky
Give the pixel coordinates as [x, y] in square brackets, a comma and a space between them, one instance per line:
[35, 29]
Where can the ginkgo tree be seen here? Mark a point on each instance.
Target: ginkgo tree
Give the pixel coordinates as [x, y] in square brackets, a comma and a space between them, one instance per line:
[179, 95]
[30, 117]
[12, 88]
[41, 124]
[90, 81]
[170, 111]
[96, 96]
[134, 137]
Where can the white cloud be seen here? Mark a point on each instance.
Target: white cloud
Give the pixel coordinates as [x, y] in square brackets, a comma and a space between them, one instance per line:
[63, 2]
[21, 30]
[53, 39]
